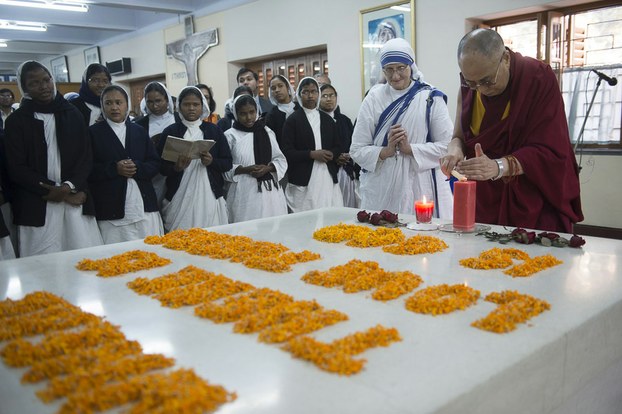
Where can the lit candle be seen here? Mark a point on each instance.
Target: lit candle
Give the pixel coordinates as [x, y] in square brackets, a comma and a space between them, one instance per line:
[464, 205]
[424, 210]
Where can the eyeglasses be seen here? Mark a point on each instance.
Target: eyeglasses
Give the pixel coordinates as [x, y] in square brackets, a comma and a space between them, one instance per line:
[329, 96]
[99, 81]
[486, 84]
[308, 92]
[391, 71]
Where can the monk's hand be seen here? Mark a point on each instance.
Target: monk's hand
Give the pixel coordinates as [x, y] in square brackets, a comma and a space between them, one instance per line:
[206, 158]
[126, 168]
[321, 155]
[182, 163]
[56, 193]
[479, 168]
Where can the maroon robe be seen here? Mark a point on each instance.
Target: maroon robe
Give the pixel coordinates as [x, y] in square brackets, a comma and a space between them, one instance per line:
[546, 196]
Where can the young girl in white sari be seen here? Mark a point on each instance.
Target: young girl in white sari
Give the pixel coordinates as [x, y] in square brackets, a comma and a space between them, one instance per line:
[195, 187]
[258, 165]
[124, 162]
[311, 146]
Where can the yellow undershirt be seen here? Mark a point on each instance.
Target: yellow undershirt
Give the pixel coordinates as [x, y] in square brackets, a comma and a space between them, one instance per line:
[479, 111]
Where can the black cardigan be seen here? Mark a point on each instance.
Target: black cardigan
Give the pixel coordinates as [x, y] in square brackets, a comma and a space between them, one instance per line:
[80, 104]
[298, 142]
[108, 187]
[275, 119]
[221, 153]
[26, 156]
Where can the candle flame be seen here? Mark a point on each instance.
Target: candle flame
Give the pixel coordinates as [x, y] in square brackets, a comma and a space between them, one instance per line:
[424, 200]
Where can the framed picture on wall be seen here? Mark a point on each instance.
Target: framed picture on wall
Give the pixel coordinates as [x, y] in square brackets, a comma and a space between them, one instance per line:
[59, 69]
[378, 25]
[91, 55]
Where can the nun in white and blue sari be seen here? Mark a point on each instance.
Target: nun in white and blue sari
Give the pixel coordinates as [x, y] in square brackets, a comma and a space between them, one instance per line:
[402, 130]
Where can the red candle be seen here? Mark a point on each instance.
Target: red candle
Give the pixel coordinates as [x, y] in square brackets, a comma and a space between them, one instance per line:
[424, 210]
[464, 205]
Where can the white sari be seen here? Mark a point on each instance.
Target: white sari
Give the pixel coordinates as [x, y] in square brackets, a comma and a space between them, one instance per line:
[397, 182]
[320, 191]
[66, 228]
[136, 223]
[244, 200]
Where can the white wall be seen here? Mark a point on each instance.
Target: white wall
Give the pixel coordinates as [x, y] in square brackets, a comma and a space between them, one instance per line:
[269, 27]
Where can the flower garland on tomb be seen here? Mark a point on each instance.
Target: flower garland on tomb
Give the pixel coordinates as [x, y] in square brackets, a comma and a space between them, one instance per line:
[442, 299]
[271, 257]
[356, 276]
[127, 262]
[89, 362]
[514, 308]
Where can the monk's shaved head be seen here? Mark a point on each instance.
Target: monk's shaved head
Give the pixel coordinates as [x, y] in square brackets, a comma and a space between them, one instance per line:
[484, 42]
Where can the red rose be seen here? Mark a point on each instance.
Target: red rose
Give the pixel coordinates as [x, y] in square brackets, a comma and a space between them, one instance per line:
[576, 241]
[362, 216]
[389, 216]
[375, 219]
[549, 235]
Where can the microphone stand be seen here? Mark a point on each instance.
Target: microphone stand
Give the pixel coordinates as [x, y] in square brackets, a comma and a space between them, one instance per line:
[589, 108]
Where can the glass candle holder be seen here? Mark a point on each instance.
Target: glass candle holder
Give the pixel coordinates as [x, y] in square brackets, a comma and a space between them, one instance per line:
[424, 210]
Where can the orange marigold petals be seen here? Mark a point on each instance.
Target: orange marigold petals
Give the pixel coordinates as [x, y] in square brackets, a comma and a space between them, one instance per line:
[494, 258]
[417, 245]
[127, 262]
[442, 299]
[358, 236]
[271, 257]
[337, 356]
[180, 391]
[121, 369]
[356, 276]
[531, 266]
[514, 308]
[93, 365]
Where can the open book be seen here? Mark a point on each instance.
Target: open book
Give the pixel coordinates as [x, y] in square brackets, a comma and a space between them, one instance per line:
[174, 147]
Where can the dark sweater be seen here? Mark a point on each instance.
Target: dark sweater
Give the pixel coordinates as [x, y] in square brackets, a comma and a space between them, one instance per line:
[108, 187]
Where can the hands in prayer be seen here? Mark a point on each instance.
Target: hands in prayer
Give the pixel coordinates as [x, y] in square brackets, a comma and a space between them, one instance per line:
[321, 155]
[63, 193]
[126, 168]
[56, 193]
[343, 159]
[257, 170]
[478, 168]
[397, 142]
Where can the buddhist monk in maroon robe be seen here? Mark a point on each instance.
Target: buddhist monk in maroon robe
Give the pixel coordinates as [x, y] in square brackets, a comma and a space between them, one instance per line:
[511, 127]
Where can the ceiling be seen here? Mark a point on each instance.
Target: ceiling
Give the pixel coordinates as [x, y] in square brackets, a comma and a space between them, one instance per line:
[104, 23]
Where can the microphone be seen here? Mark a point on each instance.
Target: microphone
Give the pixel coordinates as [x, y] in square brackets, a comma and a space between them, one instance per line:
[610, 81]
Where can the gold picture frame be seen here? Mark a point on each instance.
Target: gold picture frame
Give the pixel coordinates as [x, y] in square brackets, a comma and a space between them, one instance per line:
[377, 25]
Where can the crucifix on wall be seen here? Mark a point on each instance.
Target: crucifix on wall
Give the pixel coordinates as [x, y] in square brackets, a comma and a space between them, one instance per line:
[189, 51]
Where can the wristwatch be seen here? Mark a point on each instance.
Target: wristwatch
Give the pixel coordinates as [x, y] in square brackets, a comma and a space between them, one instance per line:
[501, 169]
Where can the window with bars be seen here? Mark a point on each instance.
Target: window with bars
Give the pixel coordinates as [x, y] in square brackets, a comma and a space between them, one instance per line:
[575, 42]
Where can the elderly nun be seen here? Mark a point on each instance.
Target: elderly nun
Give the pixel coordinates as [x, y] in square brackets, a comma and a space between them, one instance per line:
[402, 130]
